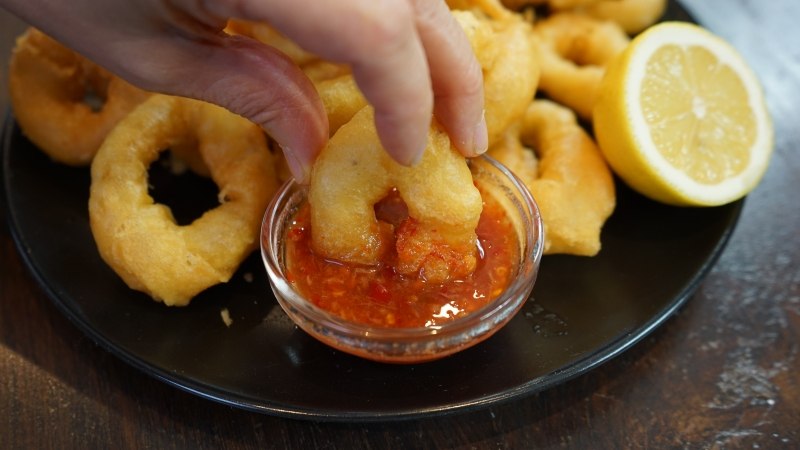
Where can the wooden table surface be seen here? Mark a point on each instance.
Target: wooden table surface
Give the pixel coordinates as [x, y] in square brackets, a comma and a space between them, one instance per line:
[722, 373]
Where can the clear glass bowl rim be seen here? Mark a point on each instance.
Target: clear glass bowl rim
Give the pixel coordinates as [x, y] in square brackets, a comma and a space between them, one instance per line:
[509, 301]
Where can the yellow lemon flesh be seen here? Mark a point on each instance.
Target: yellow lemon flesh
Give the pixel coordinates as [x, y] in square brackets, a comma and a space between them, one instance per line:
[681, 118]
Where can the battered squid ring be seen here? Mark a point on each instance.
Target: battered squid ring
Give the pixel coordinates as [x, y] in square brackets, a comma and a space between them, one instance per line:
[571, 181]
[268, 35]
[509, 57]
[139, 238]
[353, 173]
[555, 5]
[48, 86]
[632, 15]
[440, 242]
[341, 98]
[575, 50]
[492, 8]
[569, 4]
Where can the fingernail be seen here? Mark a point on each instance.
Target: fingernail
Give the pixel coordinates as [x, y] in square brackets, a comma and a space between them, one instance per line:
[300, 171]
[417, 157]
[410, 158]
[480, 136]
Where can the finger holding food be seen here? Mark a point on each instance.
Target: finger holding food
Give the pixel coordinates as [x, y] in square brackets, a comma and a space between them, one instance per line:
[569, 178]
[353, 173]
[508, 55]
[575, 50]
[632, 15]
[494, 9]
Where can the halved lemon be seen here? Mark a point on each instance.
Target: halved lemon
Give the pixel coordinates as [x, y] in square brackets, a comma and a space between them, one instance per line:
[681, 118]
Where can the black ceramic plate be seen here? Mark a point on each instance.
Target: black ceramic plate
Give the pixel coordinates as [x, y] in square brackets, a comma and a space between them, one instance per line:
[583, 312]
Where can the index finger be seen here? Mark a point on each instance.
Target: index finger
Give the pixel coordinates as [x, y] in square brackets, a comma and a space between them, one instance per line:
[379, 40]
[456, 75]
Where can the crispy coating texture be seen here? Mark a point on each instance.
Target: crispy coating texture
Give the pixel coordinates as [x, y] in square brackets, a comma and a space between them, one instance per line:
[494, 9]
[353, 173]
[632, 15]
[568, 177]
[555, 5]
[48, 87]
[508, 55]
[139, 238]
[575, 50]
[506, 51]
[504, 46]
[341, 98]
[336, 87]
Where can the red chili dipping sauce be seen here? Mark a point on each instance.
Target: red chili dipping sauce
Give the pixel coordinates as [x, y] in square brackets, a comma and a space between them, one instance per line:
[379, 296]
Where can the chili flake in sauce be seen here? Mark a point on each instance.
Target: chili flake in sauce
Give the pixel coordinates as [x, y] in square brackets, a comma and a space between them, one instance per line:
[379, 296]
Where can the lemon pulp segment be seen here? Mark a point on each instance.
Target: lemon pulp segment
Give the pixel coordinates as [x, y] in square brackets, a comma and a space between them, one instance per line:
[695, 105]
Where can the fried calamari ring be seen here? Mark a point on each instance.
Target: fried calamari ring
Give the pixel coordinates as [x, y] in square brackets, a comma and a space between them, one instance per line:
[508, 55]
[555, 5]
[632, 15]
[353, 173]
[139, 238]
[569, 4]
[494, 9]
[268, 35]
[341, 98]
[570, 182]
[575, 50]
[49, 85]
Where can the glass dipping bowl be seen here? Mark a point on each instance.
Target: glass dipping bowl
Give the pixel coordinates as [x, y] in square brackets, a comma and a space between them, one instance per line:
[411, 345]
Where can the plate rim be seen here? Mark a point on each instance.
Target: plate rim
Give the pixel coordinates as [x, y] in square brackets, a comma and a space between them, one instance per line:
[588, 362]
[601, 355]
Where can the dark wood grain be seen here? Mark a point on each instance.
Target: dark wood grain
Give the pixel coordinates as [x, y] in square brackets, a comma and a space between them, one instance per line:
[723, 373]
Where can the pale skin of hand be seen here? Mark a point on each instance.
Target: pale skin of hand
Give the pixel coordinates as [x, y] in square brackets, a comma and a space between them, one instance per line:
[409, 57]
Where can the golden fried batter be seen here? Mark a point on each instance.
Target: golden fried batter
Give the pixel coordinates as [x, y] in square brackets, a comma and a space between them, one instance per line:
[49, 84]
[139, 238]
[570, 182]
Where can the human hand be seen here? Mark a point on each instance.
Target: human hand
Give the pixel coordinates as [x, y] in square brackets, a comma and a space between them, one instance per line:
[409, 57]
